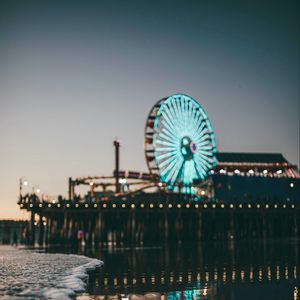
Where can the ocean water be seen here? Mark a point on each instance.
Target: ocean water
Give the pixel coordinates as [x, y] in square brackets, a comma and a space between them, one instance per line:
[244, 270]
[25, 274]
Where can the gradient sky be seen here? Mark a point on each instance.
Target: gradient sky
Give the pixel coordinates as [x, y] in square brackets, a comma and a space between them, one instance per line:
[75, 75]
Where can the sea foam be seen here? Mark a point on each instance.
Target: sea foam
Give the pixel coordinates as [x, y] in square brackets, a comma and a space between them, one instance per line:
[28, 275]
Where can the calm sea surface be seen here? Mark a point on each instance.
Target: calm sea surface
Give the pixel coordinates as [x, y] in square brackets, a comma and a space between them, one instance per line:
[244, 270]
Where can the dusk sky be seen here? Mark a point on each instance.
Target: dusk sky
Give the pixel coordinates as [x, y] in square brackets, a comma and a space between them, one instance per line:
[75, 75]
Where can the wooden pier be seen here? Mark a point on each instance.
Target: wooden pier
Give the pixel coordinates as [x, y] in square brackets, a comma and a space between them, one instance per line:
[155, 219]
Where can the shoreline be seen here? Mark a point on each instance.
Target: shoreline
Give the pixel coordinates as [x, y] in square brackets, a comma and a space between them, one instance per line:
[26, 273]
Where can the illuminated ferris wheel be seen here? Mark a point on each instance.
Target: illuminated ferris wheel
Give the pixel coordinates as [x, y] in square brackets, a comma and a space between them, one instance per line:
[180, 145]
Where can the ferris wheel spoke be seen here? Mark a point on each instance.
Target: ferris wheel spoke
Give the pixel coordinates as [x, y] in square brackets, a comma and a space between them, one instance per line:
[170, 130]
[199, 130]
[196, 169]
[167, 161]
[164, 155]
[161, 142]
[165, 149]
[168, 168]
[205, 152]
[178, 117]
[178, 170]
[203, 161]
[170, 113]
[206, 148]
[197, 122]
[203, 143]
[169, 121]
[200, 166]
[203, 138]
[170, 177]
[166, 138]
[168, 127]
[169, 135]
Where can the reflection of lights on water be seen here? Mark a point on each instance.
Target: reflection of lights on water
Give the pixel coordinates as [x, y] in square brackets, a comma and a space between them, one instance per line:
[242, 275]
[277, 273]
[224, 275]
[260, 274]
[269, 273]
[296, 293]
[286, 273]
[295, 272]
[233, 275]
[216, 275]
[206, 276]
[251, 274]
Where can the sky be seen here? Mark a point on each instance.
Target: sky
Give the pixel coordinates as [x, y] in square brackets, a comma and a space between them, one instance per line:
[76, 74]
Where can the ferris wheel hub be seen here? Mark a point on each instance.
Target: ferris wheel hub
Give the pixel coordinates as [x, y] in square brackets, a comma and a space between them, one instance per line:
[188, 148]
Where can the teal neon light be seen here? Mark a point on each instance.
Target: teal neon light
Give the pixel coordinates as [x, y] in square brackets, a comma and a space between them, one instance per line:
[183, 140]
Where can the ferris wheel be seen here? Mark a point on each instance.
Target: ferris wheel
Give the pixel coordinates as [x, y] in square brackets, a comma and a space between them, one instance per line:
[180, 145]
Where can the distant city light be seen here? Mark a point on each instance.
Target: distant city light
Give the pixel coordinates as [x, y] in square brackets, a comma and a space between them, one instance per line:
[251, 171]
[222, 171]
[236, 171]
[265, 171]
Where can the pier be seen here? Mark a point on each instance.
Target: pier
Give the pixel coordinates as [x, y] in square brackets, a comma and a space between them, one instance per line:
[157, 218]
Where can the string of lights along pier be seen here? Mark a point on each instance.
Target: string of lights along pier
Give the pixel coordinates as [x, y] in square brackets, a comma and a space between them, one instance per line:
[192, 191]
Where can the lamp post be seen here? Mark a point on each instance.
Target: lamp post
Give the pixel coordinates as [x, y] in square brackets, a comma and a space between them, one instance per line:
[22, 182]
[117, 168]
